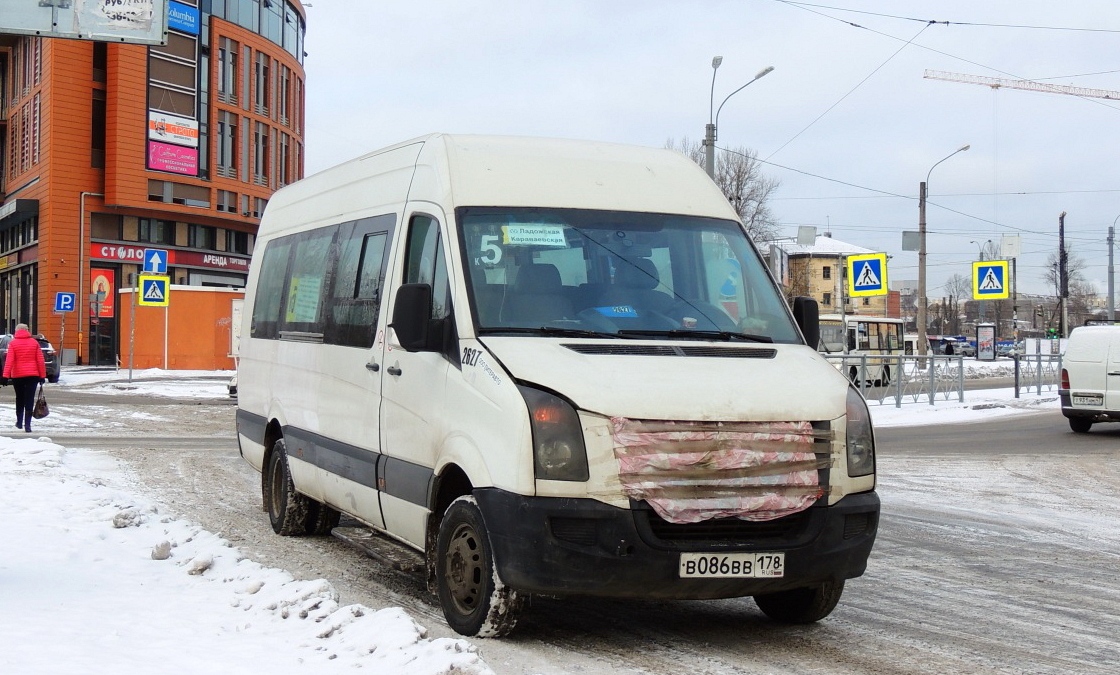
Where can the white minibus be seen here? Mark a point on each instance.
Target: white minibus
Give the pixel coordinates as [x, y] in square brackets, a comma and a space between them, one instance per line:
[549, 367]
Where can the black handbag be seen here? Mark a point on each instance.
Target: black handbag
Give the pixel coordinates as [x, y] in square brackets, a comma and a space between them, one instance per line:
[41, 408]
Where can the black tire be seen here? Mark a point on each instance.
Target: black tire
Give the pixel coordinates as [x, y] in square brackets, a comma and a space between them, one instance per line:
[474, 600]
[288, 510]
[801, 605]
[321, 519]
[1080, 425]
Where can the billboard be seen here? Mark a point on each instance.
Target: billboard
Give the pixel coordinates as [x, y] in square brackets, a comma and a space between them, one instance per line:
[130, 21]
[172, 129]
[172, 158]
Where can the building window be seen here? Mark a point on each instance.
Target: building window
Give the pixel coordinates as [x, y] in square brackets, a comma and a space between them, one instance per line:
[297, 107]
[261, 75]
[227, 70]
[100, 61]
[156, 231]
[827, 300]
[105, 226]
[260, 154]
[227, 144]
[826, 272]
[202, 236]
[237, 242]
[866, 302]
[282, 102]
[258, 206]
[285, 159]
[227, 201]
[97, 130]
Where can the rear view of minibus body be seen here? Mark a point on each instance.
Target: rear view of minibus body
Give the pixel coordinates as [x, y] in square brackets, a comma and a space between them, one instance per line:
[549, 366]
[1090, 387]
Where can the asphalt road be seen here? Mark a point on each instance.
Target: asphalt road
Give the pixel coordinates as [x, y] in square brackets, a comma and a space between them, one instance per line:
[990, 559]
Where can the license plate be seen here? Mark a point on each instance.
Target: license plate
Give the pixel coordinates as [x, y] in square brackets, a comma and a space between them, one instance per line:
[741, 565]
[1087, 399]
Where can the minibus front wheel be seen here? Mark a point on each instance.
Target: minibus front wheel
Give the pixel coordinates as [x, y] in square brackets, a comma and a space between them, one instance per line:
[801, 605]
[475, 602]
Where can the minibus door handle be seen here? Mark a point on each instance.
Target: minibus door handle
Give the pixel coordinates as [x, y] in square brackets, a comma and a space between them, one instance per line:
[373, 366]
[393, 370]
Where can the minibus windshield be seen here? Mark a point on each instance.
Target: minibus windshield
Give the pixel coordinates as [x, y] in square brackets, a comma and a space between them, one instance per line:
[549, 272]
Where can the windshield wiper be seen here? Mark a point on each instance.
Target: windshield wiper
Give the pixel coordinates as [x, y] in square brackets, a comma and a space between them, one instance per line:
[677, 333]
[548, 331]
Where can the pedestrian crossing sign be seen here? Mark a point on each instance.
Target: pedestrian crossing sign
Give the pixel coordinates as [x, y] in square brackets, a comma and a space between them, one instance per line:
[867, 274]
[155, 291]
[989, 280]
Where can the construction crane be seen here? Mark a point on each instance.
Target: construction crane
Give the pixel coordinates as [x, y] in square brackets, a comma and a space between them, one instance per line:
[1029, 85]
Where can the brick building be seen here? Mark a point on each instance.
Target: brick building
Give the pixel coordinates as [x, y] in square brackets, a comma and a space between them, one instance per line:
[817, 271]
[108, 150]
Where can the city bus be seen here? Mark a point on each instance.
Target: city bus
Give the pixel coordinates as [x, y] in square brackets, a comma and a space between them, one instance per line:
[855, 336]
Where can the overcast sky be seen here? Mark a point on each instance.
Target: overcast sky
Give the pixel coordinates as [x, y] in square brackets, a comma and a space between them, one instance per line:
[846, 121]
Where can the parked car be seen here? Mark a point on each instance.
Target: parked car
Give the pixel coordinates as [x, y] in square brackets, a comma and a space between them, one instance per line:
[1008, 349]
[967, 349]
[49, 356]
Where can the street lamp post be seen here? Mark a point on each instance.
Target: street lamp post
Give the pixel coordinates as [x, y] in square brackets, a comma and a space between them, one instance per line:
[1111, 277]
[713, 120]
[923, 339]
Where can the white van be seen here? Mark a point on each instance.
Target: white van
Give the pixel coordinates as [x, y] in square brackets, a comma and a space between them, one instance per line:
[553, 367]
[1090, 389]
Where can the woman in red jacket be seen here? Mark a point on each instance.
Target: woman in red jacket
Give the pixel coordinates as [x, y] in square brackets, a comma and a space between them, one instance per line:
[25, 368]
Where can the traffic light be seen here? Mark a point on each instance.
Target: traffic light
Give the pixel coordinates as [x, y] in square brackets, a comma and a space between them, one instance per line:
[1052, 333]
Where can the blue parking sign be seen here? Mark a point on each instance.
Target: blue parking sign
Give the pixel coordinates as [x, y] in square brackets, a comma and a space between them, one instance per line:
[65, 302]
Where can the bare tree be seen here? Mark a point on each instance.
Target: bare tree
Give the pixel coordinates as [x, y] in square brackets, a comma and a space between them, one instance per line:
[739, 176]
[1082, 293]
[957, 288]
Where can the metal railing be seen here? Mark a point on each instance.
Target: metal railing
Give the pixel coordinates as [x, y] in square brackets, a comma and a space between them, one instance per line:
[902, 378]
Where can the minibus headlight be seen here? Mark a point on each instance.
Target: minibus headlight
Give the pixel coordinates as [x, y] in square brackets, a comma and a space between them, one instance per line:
[859, 439]
[558, 449]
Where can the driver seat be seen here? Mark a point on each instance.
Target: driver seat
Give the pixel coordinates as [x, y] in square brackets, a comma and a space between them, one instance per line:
[536, 297]
[635, 281]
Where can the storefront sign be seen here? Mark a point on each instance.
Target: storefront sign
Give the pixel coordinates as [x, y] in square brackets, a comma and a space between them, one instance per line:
[172, 158]
[182, 18]
[127, 253]
[172, 129]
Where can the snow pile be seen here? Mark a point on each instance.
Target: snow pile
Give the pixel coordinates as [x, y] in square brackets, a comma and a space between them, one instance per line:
[117, 587]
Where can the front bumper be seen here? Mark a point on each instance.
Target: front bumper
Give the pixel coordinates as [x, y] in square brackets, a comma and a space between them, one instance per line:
[561, 546]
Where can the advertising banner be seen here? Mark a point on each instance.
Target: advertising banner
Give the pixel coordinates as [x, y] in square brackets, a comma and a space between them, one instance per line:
[103, 284]
[172, 158]
[985, 342]
[172, 129]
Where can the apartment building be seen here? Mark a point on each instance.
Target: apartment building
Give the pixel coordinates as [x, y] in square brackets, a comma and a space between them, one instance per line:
[108, 150]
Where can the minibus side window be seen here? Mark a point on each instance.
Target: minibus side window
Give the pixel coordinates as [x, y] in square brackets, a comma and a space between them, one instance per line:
[359, 272]
[270, 289]
[425, 263]
[303, 297]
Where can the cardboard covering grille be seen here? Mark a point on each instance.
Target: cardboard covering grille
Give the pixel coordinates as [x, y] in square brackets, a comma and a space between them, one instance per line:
[694, 471]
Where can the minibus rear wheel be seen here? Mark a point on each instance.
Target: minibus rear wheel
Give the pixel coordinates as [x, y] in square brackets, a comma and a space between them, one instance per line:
[801, 605]
[287, 509]
[1080, 425]
[474, 600]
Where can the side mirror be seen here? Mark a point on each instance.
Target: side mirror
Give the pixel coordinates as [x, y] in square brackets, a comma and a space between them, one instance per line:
[412, 316]
[807, 315]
